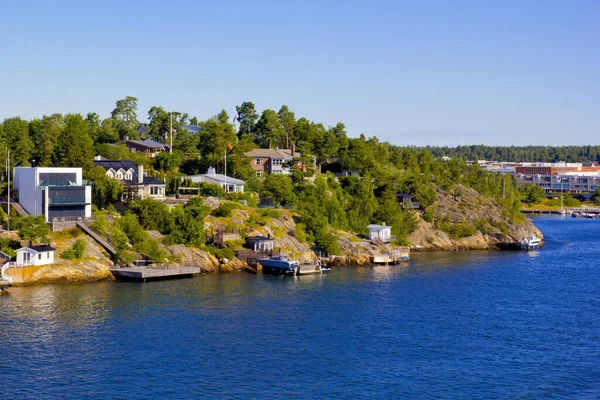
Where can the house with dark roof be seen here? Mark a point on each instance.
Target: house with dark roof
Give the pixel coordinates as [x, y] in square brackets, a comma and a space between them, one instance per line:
[275, 161]
[133, 177]
[35, 255]
[149, 147]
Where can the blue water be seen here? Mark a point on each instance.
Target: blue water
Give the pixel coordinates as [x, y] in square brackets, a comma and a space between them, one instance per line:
[455, 325]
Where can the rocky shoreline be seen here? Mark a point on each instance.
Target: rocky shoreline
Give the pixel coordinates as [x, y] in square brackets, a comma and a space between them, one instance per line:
[462, 207]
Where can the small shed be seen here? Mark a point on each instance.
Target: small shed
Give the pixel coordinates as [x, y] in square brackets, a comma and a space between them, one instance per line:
[260, 243]
[382, 232]
[407, 201]
[35, 255]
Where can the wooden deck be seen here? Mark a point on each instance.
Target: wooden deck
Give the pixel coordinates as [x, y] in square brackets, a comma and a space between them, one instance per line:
[308, 269]
[149, 273]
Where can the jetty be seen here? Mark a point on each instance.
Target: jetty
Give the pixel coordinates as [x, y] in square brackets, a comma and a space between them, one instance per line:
[396, 256]
[309, 269]
[143, 274]
[589, 211]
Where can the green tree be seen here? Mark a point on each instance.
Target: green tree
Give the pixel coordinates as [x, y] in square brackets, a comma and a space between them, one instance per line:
[94, 125]
[16, 134]
[105, 190]
[246, 117]
[33, 228]
[268, 131]
[287, 121]
[152, 215]
[44, 134]
[125, 116]
[596, 195]
[74, 147]
[533, 194]
[280, 188]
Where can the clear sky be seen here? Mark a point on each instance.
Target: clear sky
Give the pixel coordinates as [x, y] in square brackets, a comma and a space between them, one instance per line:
[411, 73]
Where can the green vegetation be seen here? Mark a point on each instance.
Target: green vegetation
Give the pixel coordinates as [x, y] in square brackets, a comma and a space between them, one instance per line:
[32, 228]
[76, 251]
[322, 204]
[457, 230]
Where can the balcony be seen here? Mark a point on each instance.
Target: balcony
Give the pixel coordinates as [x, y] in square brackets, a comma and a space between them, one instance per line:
[66, 201]
[65, 184]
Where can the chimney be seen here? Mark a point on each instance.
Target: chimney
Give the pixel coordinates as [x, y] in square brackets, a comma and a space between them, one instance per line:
[293, 150]
[140, 173]
[211, 171]
[97, 157]
[125, 138]
[383, 223]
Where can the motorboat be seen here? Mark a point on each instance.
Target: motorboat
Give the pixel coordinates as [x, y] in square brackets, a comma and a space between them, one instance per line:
[530, 242]
[280, 265]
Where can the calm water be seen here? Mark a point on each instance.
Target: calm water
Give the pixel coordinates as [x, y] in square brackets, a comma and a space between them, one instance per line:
[455, 325]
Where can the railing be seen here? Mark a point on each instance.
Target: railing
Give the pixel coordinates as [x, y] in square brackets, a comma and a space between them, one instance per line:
[6, 277]
[84, 182]
[67, 201]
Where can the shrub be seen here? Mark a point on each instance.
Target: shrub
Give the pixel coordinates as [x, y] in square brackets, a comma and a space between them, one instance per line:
[225, 209]
[299, 233]
[226, 252]
[483, 226]
[75, 252]
[100, 225]
[457, 230]
[270, 213]
[429, 214]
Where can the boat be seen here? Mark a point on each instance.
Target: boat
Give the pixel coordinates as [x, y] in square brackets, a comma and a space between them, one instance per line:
[280, 265]
[529, 243]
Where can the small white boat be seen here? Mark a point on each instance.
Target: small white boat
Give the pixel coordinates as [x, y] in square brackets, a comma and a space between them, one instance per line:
[529, 243]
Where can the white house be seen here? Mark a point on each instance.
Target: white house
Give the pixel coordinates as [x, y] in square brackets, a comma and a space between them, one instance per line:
[381, 232]
[53, 192]
[35, 255]
[231, 185]
[133, 177]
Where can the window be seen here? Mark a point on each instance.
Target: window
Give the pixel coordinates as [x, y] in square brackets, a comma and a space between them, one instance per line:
[119, 175]
[128, 176]
[40, 256]
[109, 174]
[48, 255]
[154, 190]
[258, 161]
[258, 173]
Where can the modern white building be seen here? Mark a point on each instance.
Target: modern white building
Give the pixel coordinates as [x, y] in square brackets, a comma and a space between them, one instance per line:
[382, 232]
[53, 192]
[35, 255]
[231, 185]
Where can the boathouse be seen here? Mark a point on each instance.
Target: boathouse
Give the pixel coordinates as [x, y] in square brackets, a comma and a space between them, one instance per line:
[260, 243]
[382, 232]
[35, 255]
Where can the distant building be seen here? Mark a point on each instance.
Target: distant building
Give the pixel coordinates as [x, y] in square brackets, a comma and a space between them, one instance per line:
[35, 255]
[572, 182]
[150, 148]
[192, 129]
[53, 192]
[275, 161]
[133, 177]
[231, 185]
[382, 232]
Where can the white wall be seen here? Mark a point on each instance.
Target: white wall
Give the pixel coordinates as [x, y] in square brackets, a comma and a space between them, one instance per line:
[30, 198]
[47, 257]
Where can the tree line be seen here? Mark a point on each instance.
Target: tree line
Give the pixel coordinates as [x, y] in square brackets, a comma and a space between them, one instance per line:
[581, 154]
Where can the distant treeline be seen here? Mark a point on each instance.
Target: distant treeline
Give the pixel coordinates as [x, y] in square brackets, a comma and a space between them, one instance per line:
[581, 154]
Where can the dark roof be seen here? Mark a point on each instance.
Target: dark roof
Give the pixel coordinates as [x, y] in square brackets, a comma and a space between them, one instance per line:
[42, 248]
[148, 180]
[258, 238]
[192, 128]
[148, 143]
[142, 129]
[127, 165]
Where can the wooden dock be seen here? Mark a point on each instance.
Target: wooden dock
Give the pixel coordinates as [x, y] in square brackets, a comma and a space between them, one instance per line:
[309, 269]
[152, 273]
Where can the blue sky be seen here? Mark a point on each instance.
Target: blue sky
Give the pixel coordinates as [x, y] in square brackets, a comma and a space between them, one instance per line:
[411, 73]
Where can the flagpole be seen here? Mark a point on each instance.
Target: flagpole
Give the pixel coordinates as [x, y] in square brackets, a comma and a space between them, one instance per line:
[171, 131]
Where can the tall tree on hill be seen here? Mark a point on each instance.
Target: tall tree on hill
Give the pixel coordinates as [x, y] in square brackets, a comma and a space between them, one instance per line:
[74, 147]
[43, 134]
[287, 120]
[216, 138]
[268, 131]
[240, 164]
[125, 114]
[108, 132]
[16, 134]
[246, 117]
[94, 126]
